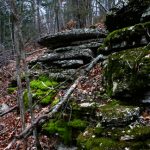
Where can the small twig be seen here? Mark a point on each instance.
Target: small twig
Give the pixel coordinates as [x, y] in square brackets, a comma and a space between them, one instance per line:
[128, 64]
[10, 144]
[30, 53]
[51, 88]
[9, 110]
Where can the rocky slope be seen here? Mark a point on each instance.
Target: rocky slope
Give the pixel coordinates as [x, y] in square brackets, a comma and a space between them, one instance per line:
[69, 51]
[109, 109]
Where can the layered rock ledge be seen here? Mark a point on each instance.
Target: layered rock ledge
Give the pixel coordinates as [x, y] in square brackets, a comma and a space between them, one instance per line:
[69, 50]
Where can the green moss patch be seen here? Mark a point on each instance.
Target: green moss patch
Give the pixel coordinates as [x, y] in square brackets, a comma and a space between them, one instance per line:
[100, 138]
[140, 132]
[66, 131]
[11, 90]
[42, 85]
[60, 128]
[127, 33]
[89, 141]
[78, 124]
[42, 90]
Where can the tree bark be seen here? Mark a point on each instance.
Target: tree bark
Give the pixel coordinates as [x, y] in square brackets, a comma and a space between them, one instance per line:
[18, 59]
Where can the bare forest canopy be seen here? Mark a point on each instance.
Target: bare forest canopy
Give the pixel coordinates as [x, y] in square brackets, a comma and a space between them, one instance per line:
[40, 17]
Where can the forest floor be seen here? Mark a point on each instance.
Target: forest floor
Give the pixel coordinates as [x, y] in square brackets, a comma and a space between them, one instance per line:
[10, 124]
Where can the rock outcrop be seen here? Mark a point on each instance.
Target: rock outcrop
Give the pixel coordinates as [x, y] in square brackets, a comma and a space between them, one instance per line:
[128, 73]
[127, 14]
[69, 50]
[126, 38]
[72, 37]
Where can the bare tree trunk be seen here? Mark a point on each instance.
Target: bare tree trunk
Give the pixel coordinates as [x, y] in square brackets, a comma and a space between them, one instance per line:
[38, 17]
[37, 22]
[48, 18]
[18, 60]
[34, 6]
[11, 27]
[35, 134]
[56, 9]
[61, 15]
[1, 29]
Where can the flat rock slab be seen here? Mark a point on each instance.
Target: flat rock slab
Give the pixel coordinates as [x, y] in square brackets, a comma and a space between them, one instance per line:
[116, 115]
[66, 38]
[86, 55]
[68, 63]
[63, 75]
[93, 45]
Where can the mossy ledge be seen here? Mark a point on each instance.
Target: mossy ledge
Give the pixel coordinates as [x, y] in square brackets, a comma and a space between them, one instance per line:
[98, 138]
[125, 38]
[66, 131]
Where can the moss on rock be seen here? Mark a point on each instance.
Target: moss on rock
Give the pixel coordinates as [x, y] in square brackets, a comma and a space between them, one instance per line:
[42, 90]
[127, 37]
[127, 72]
[58, 127]
[11, 90]
[89, 141]
[78, 124]
[101, 138]
[114, 114]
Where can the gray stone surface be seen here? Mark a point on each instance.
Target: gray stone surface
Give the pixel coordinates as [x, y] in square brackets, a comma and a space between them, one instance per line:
[3, 107]
[85, 55]
[146, 15]
[121, 117]
[63, 75]
[68, 63]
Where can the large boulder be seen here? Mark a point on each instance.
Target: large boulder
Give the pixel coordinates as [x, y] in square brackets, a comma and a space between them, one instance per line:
[93, 45]
[128, 14]
[127, 73]
[68, 74]
[68, 50]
